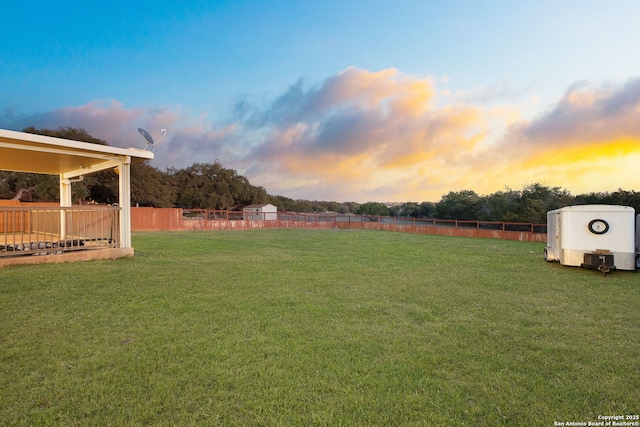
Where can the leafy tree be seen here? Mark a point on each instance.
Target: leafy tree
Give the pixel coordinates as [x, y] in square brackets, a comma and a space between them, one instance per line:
[28, 186]
[286, 204]
[195, 186]
[102, 186]
[620, 197]
[151, 187]
[625, 198]
[74, 134]
[352, 207]
[211, 186]
[332, 207]
[499, 205]
[535, 201]
[406, 209]
[590, 199]
[413, 210]
[527, 205]
[463, 204]
[373, 209]
[426, 210]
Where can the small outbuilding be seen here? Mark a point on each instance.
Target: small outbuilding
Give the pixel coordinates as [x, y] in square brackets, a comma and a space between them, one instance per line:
[264, 212]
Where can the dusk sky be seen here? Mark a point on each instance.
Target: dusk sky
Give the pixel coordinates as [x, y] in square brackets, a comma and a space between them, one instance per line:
[347, 100]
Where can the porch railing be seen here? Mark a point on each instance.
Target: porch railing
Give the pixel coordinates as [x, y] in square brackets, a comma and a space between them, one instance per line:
[48, 230]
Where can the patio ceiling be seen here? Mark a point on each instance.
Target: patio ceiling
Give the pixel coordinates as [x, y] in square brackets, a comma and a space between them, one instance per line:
[24, 152]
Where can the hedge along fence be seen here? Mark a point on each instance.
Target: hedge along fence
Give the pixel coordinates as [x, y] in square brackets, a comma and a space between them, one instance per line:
[176, 219]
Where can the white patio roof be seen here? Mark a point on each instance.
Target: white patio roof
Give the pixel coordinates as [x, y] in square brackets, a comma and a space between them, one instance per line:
[25, 152]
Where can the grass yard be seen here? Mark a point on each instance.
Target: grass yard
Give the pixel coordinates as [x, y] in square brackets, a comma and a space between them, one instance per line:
[317, 328]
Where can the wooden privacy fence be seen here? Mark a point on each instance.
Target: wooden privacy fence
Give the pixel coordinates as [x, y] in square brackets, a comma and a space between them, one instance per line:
[175, 219]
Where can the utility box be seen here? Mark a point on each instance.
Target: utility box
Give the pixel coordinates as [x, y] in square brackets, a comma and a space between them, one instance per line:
[595, 236]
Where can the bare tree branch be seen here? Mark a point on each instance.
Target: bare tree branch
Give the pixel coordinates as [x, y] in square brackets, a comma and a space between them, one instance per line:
[21, 192]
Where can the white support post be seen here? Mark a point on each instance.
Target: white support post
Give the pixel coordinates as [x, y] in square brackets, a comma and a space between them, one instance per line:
[65, 201]
[124, 199]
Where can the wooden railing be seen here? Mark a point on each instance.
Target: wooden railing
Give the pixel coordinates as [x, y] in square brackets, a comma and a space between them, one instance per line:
[52, 229]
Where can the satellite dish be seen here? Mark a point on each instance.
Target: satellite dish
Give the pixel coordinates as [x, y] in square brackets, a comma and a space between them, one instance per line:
[149, 138]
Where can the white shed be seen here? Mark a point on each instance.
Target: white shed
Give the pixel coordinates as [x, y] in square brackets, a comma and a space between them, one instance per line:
[583, 235]
[266, 212]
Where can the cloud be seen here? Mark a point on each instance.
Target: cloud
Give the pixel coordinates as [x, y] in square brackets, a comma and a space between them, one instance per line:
[105, 119]
[387, 136]
[587, 115]
[496, 93]
[587, 141]
[189, 139]
[361, 129]
[384, 136]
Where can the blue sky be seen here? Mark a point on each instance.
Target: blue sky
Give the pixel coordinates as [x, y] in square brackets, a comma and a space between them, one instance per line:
[350, 100]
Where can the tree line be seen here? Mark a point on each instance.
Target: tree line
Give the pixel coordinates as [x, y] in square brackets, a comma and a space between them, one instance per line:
[529, 204]
[212, 186]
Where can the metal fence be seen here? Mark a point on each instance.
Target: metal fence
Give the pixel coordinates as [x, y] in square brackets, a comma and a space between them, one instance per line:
[416, 222]
[207, 214]
[203, 214]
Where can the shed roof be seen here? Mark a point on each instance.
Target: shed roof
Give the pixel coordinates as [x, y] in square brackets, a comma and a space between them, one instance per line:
[258, 206]
[25, 152]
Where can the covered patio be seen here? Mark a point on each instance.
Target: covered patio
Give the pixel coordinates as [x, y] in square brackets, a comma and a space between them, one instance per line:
[37, 233]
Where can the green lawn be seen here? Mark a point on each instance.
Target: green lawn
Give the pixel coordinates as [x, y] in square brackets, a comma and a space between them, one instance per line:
[317, 328]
